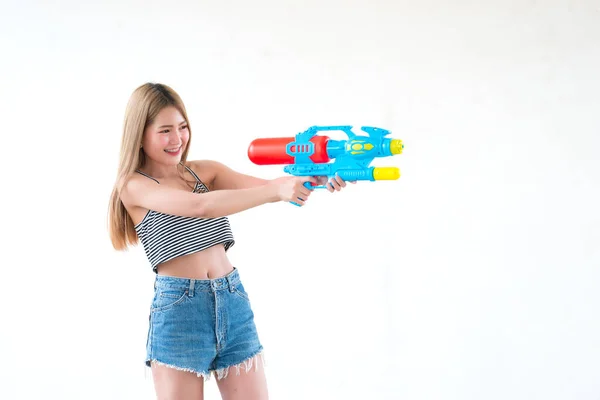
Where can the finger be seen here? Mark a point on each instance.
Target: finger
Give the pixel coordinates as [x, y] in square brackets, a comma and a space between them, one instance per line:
[318, 181]
[331, 186]
[335, 184]
[304, 193]
[340, 181]
[322, 180]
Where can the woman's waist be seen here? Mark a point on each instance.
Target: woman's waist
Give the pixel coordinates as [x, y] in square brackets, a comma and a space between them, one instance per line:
[209, 263]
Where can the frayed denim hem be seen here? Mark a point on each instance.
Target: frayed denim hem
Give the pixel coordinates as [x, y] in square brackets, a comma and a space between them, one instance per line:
[221, 373]
[204, 374]
[224, 372]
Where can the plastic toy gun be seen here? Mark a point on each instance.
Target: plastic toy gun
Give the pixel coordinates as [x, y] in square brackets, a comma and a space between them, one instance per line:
[309, 154]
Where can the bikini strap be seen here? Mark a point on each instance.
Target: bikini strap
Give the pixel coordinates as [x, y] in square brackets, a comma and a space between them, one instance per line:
[147, 176]
[198, 181]
[193, 173]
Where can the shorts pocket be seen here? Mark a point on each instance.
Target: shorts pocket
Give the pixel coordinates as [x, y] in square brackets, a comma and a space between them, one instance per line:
[241, 292]
[165, 299]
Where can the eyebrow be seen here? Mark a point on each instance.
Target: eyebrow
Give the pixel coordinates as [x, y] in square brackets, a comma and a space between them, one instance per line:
[169, 126]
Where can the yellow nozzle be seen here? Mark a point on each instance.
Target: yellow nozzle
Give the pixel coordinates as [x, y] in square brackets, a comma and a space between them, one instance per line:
[386, 173]
[396, 146]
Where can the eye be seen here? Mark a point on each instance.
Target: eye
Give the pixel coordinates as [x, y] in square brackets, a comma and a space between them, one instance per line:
[184, 127]
[165, 131]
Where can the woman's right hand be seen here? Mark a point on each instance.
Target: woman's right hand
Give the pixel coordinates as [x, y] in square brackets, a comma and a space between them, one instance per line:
[291, 188]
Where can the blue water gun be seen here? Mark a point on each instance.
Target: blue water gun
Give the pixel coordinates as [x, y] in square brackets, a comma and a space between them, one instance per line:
[309, 154]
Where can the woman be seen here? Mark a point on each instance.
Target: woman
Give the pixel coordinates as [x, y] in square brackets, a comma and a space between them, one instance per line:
[201, 321]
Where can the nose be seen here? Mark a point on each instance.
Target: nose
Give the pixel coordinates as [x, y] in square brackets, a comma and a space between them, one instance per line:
[175, 137]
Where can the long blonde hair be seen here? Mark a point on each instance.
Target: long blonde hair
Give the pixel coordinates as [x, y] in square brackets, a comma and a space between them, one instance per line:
[144, 105]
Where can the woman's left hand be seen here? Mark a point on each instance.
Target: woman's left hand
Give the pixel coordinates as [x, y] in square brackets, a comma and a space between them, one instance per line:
[334, 185]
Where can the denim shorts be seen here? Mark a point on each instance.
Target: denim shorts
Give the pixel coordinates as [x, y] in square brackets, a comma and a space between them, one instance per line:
[202, 326]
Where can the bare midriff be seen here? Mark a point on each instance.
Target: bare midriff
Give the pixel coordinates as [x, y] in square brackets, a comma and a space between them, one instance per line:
[210, 263]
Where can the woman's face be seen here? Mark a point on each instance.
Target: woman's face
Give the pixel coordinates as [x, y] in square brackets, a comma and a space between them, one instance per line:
[167, 137]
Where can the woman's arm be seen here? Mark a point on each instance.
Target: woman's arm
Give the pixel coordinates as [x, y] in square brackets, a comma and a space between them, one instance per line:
[162, 198]
[225, 178]
[144, 193]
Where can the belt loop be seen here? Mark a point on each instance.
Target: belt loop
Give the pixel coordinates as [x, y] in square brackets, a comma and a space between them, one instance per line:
[230, 284]
[191, 290]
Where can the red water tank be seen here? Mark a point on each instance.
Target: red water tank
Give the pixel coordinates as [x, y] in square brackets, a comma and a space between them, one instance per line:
[270, 151]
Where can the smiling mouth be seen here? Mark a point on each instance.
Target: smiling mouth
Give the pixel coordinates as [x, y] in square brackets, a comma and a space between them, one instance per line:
[173, 151]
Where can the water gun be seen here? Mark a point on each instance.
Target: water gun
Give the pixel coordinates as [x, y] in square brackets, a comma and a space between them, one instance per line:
[309, 154]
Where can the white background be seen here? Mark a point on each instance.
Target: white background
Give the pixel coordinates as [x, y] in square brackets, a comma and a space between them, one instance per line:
[474, 276]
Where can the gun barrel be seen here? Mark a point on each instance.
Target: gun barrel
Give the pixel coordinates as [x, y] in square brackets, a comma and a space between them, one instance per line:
[396, 146]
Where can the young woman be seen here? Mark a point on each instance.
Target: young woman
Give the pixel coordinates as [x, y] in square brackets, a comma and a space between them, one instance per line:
[201, 320]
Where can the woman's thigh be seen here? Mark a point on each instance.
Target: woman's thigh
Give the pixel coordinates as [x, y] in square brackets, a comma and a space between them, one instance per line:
[170, 383]
[247, 385]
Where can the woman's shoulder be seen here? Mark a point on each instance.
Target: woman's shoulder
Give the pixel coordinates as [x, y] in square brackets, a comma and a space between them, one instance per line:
[133, 186]
[206, 170]
[204, 164]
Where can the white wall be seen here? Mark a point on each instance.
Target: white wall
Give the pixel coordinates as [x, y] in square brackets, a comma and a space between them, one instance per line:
[474, 276]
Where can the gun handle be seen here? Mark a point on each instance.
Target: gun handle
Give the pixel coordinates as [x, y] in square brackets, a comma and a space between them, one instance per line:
[307, 185]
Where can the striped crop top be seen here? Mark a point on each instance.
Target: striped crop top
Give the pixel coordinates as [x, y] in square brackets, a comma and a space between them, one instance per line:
[166, 236]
